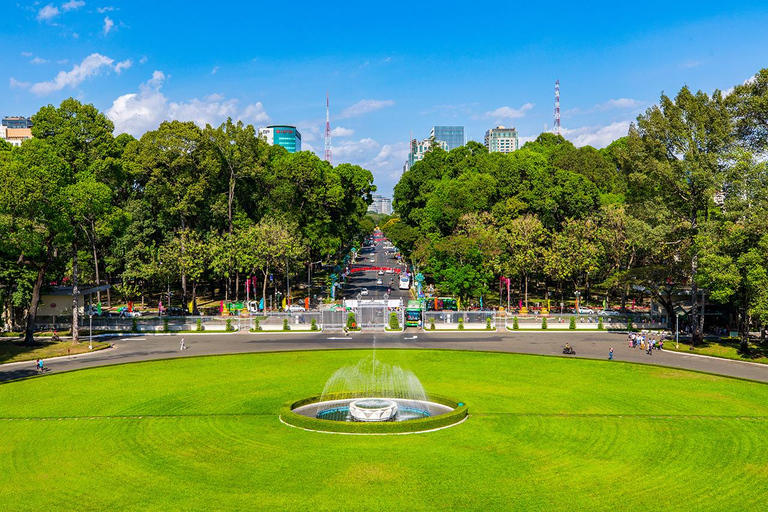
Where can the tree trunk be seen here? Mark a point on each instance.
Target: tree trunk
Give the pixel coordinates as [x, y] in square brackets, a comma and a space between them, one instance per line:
[744, 333]
[109, 295]
[75, 297]
[237, 285]
[526, 292]
[696, 335]
[29, 331]
[194, 298]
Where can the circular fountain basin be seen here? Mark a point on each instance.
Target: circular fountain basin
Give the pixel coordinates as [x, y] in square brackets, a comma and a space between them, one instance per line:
[372, 409]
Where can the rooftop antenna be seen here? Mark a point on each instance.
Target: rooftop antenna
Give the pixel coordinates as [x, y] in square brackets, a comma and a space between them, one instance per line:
[557, 107]
[328, 157]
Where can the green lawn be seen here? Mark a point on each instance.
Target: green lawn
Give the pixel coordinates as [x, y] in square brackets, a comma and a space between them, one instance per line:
[727, 348]
[14, 350]
[544, 433]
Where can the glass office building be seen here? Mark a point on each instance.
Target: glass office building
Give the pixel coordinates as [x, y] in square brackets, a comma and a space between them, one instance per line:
[282, 135]
[452, 135]
[17, 122]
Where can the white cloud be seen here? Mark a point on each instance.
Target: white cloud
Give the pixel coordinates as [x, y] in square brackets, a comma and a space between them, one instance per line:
[108, 25]
[510, 113]
[48, 13]
[363, 107]
[340, 131]
[597, 136]
[19, 85]
[91, 66]
[354, 151]
[619, 103]
[691, 63]
[38, 60]
[255, 114]
[72, 5]
[75, 35]
[137, 113]
[102, 10]
[143, 59]
[62, 61]
[120, 66]
[215, 70]
[26, 54]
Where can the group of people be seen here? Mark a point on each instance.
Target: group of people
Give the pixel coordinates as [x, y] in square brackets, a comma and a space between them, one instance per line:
[646, 342]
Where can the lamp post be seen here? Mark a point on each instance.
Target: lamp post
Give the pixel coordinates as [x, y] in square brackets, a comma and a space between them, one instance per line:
[677, 330]
[90, 328]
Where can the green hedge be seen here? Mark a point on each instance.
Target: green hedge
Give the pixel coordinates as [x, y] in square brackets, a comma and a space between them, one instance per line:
[384, 427]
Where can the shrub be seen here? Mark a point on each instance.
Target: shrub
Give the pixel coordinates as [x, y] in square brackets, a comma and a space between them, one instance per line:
[286, 327]
[488, 323]
[600, 325]
[629, 325]
[431, 324]
[229, 327]
[544, 323]
[165, 325]
[572, 323]
[461, 323]
[351, 322]
[394, 324]
[256, 325]
[314, 325]
[200, 326]
[515, 325]
[134, 325]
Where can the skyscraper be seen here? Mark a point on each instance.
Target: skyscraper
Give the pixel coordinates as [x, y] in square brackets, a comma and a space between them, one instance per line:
[282, 135]
[451, 135]
[419, 148]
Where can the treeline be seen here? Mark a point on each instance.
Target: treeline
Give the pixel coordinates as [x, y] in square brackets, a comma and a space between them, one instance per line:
[678, 207]
[182, 206]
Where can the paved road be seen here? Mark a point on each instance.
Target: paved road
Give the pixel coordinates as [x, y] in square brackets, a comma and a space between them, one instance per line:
[359, 280]
[589, 345]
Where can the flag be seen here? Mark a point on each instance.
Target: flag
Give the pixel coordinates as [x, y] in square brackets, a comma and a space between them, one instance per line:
[603, 304]
[261, 304]
[284, 302]
[98, 308]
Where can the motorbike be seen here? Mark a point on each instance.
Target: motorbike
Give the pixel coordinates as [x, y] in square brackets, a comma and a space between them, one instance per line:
[569, 350]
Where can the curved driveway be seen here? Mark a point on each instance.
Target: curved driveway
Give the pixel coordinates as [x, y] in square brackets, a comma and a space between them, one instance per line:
[591, 345]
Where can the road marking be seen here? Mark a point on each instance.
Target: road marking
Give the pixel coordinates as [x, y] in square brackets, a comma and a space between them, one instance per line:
[335, 338]
[411, 338]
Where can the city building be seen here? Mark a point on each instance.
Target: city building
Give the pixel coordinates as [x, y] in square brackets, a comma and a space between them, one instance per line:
[15, 136]
[16, 122]
[419, 148]
[282, 135]
[452, 135]
[501, 140]
[381, 204]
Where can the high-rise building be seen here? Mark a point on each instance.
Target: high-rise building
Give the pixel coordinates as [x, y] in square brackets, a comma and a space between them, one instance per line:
[16, 122]
[282, 135]
[501, 140]
[381, 204]
[452, 135]
[15, 136]
[419, 148]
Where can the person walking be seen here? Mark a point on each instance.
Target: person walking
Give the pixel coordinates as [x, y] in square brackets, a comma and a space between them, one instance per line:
[182, 345]
[610, 354]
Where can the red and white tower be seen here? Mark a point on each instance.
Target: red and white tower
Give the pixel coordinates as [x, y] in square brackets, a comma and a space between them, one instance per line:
[557, 107]
[328, 130]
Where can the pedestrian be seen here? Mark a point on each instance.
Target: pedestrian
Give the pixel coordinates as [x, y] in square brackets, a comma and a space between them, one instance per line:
[182, 346]
[610, 354]
[37, 365]
[41, 365]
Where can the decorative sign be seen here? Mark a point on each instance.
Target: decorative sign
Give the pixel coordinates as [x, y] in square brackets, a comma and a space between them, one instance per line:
[53, 304]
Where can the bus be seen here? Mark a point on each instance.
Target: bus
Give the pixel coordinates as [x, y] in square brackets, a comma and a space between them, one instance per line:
[413, 314]
[405, 282]
[442, 304]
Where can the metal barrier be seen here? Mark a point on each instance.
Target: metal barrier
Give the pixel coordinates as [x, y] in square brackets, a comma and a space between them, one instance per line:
[450, 319]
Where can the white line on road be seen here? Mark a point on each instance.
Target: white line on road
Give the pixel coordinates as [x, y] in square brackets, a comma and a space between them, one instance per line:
[343, 338]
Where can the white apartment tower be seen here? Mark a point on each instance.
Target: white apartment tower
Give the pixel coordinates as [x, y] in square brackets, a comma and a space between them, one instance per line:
[501, 140]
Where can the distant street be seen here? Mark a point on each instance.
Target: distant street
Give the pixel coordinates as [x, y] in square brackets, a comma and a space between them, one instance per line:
[357, 281]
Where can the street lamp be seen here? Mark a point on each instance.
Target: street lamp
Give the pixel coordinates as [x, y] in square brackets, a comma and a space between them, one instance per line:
[677, 330]
[90, 328]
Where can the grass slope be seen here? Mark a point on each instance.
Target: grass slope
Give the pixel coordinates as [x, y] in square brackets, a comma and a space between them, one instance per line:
[543, 433]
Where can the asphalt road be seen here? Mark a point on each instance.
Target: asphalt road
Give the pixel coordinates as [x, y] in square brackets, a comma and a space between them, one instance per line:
[359, 280]
[587, 344]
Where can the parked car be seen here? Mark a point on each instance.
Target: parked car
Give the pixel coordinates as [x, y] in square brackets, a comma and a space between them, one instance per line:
[608, 312]
[295, 308]
[378, 281]
[381, 272]
[585, 311]
[364, 291]
[174, 311]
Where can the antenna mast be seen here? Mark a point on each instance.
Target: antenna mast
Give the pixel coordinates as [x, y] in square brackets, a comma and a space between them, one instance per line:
[557, 107]
[328, 129]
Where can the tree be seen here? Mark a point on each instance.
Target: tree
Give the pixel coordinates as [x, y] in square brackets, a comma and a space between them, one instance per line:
[680, 153]
[524, 239]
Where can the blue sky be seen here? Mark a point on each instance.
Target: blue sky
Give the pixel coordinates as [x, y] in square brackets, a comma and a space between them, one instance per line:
[391, 68]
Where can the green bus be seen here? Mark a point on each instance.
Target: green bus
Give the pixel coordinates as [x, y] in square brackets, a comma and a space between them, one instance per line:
[413, 314]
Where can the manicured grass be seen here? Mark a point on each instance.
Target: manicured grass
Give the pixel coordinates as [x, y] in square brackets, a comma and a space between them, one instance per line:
[12, 351]
[727, 348]
[544, 433]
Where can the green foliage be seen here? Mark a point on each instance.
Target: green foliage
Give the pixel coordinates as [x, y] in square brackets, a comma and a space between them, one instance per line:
[630, 327]
[431, 324]
[313, 326]
[394, 323]
[351, 322]
[200, 326]
[286, 325]
[461, 323]
[134, 325]
[488, 325]
[166, 328]
[515, 324]
[229, 327]
[600, 326]
[544, 323]
[572, 323]
[256, 324]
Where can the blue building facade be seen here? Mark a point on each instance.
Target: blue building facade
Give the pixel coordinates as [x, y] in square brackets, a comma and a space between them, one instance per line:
[282, 135]
[453, 136]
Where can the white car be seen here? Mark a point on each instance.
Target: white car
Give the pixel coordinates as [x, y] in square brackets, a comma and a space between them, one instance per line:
[586, 311]
[372, 260]
[389, 271]
[364, 291]
[608, 312]
[294, 308]
[381, 272]
[378, 281]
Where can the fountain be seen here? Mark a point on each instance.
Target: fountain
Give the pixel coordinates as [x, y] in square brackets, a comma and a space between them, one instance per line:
[373, 391]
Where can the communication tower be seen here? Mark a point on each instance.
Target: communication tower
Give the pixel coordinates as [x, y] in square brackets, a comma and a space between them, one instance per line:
[557, 107]
[327, 129]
